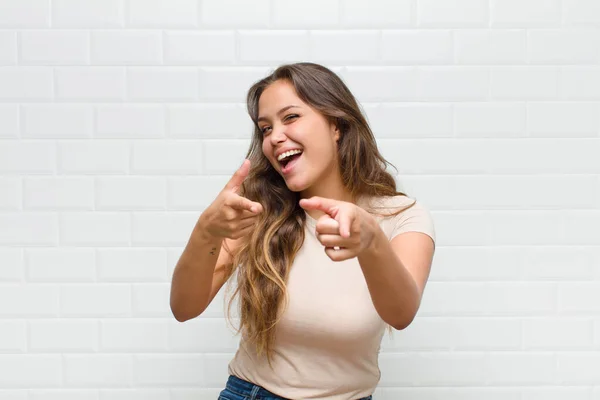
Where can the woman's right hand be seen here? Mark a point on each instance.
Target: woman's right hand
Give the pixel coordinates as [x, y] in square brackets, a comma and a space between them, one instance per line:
[231, 215]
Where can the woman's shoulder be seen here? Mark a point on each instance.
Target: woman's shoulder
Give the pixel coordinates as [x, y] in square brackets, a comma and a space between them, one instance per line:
[408, 214]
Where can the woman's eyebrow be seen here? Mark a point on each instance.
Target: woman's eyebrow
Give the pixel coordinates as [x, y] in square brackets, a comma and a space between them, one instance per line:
[284, 109]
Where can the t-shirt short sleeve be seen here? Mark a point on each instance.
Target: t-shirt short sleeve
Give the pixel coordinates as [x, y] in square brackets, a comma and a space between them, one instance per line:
[417, 218]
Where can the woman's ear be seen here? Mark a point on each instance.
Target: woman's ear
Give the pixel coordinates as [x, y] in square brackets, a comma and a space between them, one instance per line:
[336, 130]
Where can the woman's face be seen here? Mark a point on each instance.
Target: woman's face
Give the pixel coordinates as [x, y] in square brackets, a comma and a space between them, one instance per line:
[287, 123]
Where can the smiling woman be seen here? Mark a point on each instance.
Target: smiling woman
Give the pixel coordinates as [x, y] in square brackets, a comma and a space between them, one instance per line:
[335, 256]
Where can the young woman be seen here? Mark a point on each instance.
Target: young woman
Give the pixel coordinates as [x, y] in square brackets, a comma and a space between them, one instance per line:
[326, 252]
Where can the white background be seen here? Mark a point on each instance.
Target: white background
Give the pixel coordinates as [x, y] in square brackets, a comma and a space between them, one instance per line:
[121, 120]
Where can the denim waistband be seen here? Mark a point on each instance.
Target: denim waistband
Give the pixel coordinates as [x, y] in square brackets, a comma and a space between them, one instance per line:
[245, 388]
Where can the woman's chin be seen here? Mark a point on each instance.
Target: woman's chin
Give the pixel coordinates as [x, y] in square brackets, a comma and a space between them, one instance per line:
[295, 185]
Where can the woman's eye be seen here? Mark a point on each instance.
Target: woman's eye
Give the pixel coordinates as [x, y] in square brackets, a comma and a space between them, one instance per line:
[291, 116]
[264, 130]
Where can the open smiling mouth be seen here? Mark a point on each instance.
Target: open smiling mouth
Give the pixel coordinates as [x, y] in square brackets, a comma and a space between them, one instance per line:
[288, 162]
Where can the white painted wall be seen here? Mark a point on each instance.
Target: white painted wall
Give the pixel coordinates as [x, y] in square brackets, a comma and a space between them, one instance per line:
[120, 120]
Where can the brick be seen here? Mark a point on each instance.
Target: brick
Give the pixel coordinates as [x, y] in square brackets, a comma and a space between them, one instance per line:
[551, 263]
[25, 14]
[478, 263]
[555, 393]
[150, 157]
[303, 15]
[162, 85]
[15, 394]
[131, 193]
[535, 192]
[95, 228]
[582, 228]
[209, 121]
[552, 156]
[579, 83]
[94, 300]
[132, 265]
[28, 301]
[134, 121]
[136, 394]
[8, 48]
[94, 370]
[29, 228]
[578, 298]
[218, 13]
[514, 368]
[453, 83]
[381, 83]
[524, 83]
[346, 47]
[489, 47]
[63, 335]
[578, 368]
[558, 333]
[176, 228]
[494, 298]
[224, 157]
[490, 120]
[418, 47]
[151, 300]
[57, 121]
[194, 193]
[525, 13]
[60, 265]
[215, 369]
[534, 228]
[12, 263]
[203, 48]
[171, 370]
[87, 13]
[459, 334]
[13, 337]
[64, 394]
[90, 84]
[549, 46]
[163, 13]
[30, 371]
[377, 13]
[219, 337]
[26, 84]
[453, 13]
[432, 369]
[292, 46]
[54, 47]
[106, 156]
[132, 336]
[581, 12]
[229, 84]
[9, 120]
[448, 393]
[389, 120]
[126, 47]
[563, 119]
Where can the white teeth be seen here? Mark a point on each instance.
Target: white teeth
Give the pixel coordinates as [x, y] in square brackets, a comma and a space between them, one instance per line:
[288, 153]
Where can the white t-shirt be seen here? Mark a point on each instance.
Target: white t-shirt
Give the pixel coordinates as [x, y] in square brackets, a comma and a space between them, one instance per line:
[328, 340]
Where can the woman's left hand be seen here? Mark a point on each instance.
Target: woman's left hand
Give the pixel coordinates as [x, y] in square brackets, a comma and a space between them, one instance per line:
[344, 225]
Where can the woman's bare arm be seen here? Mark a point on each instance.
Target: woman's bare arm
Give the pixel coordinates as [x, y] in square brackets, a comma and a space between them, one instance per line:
[199, 274]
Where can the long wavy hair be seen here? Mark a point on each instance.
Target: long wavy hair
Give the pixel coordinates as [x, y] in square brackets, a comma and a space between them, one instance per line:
[263, 258]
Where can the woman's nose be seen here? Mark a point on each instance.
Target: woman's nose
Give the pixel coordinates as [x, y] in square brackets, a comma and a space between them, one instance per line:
[278, 135]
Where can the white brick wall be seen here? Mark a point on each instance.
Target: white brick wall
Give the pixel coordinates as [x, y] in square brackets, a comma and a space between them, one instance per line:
[120, 120]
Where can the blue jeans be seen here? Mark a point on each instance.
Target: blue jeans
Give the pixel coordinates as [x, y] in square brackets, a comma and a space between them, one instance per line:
[239, 389]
